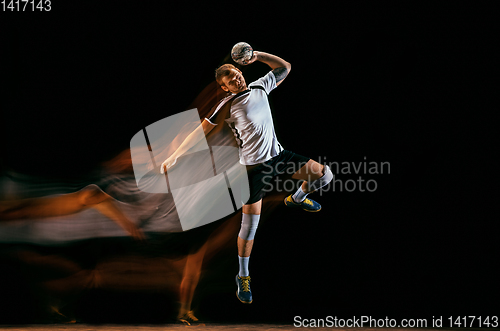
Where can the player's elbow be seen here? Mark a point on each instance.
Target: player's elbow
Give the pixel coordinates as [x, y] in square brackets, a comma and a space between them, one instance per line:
[288, 66]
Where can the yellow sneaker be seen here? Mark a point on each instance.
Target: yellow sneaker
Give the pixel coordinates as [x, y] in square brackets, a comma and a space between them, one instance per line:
[308, 204]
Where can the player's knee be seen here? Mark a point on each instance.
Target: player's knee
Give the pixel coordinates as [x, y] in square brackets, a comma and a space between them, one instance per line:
[323, 180]
[92, 195]
[249, 224]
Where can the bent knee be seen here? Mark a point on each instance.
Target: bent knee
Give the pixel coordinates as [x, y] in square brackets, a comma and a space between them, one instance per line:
[92, 195]
[323, 180]
[321, 170]
[316, 171]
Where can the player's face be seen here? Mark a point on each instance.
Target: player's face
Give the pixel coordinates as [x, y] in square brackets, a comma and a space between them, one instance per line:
[234, 82]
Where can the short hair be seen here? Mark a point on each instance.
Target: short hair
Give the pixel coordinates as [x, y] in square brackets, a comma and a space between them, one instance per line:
[222, 71]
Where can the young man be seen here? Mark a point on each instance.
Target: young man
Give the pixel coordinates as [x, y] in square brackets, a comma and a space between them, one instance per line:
[251, 121]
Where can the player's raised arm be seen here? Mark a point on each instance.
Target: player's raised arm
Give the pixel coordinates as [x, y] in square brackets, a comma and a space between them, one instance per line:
[280, 67]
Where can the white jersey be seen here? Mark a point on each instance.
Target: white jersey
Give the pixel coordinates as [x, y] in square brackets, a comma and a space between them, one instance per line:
[252, 123]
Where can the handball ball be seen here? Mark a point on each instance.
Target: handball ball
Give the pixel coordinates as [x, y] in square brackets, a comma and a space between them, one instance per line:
[241, 53]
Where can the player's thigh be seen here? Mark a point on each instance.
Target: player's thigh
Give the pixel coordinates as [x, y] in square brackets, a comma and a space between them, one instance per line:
[253, 208]
[312, 170]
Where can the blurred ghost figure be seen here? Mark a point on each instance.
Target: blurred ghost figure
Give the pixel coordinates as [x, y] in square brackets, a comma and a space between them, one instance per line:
[41, 215]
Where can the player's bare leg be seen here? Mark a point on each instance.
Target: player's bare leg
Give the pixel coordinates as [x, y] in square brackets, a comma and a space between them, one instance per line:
[52, 206]
[250, 221]
[311, 171]
[67, 204]
[190, 279]
[245, 246]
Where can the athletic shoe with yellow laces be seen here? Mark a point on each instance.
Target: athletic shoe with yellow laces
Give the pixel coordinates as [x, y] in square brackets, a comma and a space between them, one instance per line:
[188, 318]
[243, 293]
[307, 204]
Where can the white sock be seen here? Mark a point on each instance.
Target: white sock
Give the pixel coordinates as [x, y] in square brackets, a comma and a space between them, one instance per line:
[299, 196]
[243, 266]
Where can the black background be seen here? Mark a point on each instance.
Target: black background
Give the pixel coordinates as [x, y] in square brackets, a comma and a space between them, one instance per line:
[410, 84]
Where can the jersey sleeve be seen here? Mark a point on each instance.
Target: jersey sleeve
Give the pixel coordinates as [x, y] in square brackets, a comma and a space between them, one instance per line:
[268, 82]
[215, 116]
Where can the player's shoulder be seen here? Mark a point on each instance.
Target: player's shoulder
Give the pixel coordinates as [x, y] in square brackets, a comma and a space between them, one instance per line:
[269, 76]
[267, 82]
[223, 101]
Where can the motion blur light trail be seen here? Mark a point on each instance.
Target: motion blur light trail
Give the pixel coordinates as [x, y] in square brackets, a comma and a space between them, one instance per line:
[68, 238]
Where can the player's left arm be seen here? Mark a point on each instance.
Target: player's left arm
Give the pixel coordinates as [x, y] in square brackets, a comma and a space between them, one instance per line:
[280, 67]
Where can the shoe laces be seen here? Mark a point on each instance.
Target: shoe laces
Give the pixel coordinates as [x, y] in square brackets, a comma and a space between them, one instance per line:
[188, 318]
[309, 202]
[306, 201]
[191, 316]
[245, 283]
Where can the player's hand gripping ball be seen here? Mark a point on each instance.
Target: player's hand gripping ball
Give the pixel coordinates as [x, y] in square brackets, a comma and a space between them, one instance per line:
[242, 53]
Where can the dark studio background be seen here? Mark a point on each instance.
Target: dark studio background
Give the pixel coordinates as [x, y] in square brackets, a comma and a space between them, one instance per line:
[409, 84]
